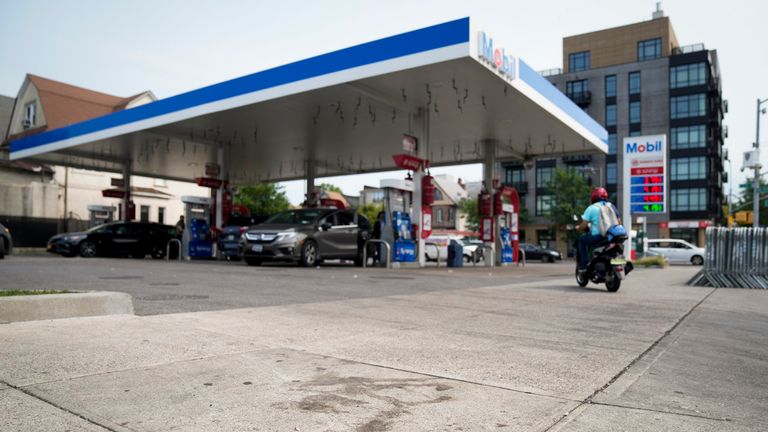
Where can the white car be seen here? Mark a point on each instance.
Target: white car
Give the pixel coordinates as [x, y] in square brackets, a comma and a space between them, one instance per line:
[430, 250]
[677, 251]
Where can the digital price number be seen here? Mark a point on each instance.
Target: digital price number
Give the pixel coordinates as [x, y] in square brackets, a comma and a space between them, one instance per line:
[647, 193]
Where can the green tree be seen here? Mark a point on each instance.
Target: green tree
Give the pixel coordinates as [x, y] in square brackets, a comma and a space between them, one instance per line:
[469, 207]
[371, 211]
[263, 199]
[328, 187]
[570, 196]
[745, 200]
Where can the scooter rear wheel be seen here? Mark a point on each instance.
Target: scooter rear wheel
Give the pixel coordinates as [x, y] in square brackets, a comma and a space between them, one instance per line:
[581, 279]
[613, 285]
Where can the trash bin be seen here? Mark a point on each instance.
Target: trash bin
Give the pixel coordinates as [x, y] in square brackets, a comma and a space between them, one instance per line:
[455, 254]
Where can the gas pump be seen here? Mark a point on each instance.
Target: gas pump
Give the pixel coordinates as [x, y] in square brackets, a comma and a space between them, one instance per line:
[196, 240]
[397, 229]
[100, 214]
[506, 205]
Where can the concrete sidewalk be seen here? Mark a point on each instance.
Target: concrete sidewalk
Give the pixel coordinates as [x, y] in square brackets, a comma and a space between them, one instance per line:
[531, 356]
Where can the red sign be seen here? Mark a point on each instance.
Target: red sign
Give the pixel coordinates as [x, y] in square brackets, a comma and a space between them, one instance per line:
[426, 221]
[406, 161]
[208, 182]
[649, 170]
[117, 182]
[113, 193]
[664, 225]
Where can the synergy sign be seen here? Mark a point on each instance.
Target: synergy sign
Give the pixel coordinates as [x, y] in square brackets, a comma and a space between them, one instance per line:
[645, 175]
[496, 58]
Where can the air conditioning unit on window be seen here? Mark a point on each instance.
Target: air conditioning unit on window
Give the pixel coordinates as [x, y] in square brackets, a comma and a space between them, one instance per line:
[26, 124]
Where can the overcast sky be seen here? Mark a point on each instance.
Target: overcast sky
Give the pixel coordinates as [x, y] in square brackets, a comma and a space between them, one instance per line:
[170, 47]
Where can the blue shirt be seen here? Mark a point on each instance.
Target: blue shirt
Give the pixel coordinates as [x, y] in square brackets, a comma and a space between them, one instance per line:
[592, 215]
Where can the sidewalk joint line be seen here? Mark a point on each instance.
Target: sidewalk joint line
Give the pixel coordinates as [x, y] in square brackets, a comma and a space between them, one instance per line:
[60, 407]
[668, 332]
[723, 419]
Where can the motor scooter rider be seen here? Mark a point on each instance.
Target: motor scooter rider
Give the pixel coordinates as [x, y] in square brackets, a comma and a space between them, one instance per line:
[590, 221]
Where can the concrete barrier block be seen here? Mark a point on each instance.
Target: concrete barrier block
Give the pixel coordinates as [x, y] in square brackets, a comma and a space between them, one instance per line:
[55, 306]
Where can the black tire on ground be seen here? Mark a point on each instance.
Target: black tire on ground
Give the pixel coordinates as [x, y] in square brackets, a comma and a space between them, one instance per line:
[233, 258]
[87, 249]
[546, 259]
[309, 254]
[157, 252]
[253, 261]
[697, 260]
[358, 261]
[3, 248]
[138, 254]
[613, 285]
[581, 279]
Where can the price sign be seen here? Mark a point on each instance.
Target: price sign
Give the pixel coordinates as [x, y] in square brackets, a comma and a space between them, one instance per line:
[645, 174]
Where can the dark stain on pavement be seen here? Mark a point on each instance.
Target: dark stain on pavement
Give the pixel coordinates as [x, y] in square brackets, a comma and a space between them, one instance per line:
[387, 399]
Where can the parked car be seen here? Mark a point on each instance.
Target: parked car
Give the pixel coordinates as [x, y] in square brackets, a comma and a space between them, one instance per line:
[136, 239]
[677, 251]
[307, 236]
[533, 252]
[442, 241]
[229, 238]
[6, 241]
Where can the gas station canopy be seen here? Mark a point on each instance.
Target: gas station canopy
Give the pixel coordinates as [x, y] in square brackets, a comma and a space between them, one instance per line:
[344, 112]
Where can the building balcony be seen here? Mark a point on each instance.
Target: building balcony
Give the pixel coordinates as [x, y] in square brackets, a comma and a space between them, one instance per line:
[581, 99]
[687, 49]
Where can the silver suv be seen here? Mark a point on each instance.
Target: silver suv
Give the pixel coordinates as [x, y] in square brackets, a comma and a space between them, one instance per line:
[307, 236]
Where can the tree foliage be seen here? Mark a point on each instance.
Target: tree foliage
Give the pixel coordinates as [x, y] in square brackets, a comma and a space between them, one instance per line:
[329, 187]
[469, 207]
[371, 211]
[263, 199]
[571, 195]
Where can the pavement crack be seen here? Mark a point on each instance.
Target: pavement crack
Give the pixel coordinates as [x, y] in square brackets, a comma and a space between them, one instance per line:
[589, 399]
[60, 407]
[724, 419]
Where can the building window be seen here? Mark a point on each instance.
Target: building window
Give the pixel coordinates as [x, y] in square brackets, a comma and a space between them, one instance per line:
[649, 49]
[547, 238]
[610, 86]
[688, 137]
[144, 214]
[544, 205]
[576, 88]
[439, 215]
[30, 115]
[634, 112]
[451, 214]
[687, 75]
[514, 175]
[634, 83]
[610, 115]
[689, 168]
[161, 215]
[578, 61]
[438, 195]
[691, 235]
[689, 199]
[686, 106]
[612, 143]
[544, 177]
[610, 173]
[634, 133]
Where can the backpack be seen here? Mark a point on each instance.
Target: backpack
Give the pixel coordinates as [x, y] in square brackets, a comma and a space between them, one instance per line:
[608, 218]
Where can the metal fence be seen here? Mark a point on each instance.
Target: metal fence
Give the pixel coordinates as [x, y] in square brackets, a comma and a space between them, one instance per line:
[735, 258]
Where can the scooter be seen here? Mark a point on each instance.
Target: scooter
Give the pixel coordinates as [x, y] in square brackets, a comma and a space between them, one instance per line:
[607, 264]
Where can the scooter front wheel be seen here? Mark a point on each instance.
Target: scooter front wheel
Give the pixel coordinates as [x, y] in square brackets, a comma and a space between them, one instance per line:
[581, 278]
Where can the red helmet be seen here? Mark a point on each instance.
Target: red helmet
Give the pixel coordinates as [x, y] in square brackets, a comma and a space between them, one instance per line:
[599, 194]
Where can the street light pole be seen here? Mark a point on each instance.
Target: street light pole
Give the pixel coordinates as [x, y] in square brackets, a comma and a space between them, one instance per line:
[756, 181]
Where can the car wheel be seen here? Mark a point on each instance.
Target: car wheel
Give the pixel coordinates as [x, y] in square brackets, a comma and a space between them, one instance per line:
[359, 262]
[253, 261]
[87, 249]
[309, 255]
[157, 252]
[546, 259]
[2, 248]
[697, 260]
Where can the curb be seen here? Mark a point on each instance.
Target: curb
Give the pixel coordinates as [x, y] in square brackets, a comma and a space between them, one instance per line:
[56, 306]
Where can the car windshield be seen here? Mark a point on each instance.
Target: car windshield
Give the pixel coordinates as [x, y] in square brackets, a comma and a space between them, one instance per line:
[98, 227]
[297, 217]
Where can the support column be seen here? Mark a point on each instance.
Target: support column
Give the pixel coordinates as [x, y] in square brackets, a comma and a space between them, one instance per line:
[422, 151]
[310, 173]
[127, 189]
[489, 174]
[223, 175]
